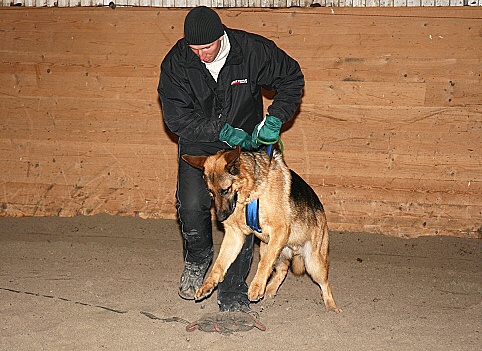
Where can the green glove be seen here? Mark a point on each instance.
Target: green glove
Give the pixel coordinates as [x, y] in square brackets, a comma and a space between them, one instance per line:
[235, 136]
[267, 132]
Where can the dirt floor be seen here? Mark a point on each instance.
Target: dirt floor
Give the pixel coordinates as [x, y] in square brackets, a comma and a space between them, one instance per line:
[82, 284]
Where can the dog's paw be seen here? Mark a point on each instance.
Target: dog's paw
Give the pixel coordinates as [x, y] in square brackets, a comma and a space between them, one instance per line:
[204, 291]
[331, 307]
[256, 291]
[335, 309]
[271, 291]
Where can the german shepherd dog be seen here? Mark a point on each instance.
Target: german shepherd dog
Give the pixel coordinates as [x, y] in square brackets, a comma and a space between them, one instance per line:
[291, 217]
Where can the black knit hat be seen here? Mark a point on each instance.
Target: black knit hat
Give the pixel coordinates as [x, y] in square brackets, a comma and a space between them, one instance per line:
[202, 26]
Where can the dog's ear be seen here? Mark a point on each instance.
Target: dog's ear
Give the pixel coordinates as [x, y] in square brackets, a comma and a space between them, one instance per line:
[232, 157]
[195, 161]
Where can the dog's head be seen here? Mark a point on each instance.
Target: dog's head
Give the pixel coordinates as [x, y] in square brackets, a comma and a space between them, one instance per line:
[220, 172]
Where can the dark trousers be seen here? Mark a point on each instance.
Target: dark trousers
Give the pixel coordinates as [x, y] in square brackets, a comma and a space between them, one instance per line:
[193, 208]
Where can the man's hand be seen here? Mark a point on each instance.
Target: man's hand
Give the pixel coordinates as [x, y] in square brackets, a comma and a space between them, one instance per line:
[235, 136]
[267, 132]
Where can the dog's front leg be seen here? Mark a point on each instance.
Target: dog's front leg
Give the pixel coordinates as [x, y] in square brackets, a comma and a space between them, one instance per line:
[230, 248]
[267, 261]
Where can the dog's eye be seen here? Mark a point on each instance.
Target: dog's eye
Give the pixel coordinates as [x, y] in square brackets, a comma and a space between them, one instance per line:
[224, 192]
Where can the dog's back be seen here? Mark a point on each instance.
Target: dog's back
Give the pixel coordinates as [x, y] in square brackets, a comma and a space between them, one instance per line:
[304, 199]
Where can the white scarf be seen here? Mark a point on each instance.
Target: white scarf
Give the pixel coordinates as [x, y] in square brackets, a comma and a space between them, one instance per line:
[218, 63]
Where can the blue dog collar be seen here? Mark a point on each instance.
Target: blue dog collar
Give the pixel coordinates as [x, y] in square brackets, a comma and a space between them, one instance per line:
[252, 215]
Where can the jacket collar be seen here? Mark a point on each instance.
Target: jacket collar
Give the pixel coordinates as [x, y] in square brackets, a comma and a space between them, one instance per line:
[235, 56]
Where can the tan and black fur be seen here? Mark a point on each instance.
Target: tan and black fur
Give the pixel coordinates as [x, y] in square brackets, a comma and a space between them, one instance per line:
[291, 216]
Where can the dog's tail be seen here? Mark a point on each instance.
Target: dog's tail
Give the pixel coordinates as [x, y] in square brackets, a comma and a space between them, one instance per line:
[297, 265]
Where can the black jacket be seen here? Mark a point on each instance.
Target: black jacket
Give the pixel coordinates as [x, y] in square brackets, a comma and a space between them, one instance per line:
[195, 107]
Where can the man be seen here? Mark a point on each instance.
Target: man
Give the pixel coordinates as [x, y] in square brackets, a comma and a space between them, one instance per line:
[210, 89]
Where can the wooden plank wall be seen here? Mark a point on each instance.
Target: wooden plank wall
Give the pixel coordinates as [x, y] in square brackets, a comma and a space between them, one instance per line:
[388, 134]
[241, 3]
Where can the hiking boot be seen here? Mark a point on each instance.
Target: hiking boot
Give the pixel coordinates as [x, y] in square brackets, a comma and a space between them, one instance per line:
[192, 278]
[236, 306]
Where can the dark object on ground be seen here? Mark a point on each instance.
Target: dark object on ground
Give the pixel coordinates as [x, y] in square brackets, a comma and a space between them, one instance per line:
[226, 323]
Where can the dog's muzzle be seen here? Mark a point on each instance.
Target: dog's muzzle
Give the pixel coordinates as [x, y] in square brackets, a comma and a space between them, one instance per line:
[223, 214]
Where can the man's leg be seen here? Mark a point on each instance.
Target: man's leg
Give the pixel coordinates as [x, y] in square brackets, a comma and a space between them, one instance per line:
[193, 207]
[233, 290]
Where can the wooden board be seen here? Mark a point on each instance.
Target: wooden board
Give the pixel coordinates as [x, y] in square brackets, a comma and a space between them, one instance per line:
[388, 132]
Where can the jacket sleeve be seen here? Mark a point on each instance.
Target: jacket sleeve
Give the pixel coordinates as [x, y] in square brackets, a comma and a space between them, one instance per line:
[283, 74]
[179, 109]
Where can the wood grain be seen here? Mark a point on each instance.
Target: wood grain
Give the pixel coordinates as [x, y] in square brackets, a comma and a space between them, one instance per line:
[388, 132]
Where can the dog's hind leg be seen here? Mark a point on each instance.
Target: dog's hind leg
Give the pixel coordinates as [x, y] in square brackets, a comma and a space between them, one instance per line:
[316, 263]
